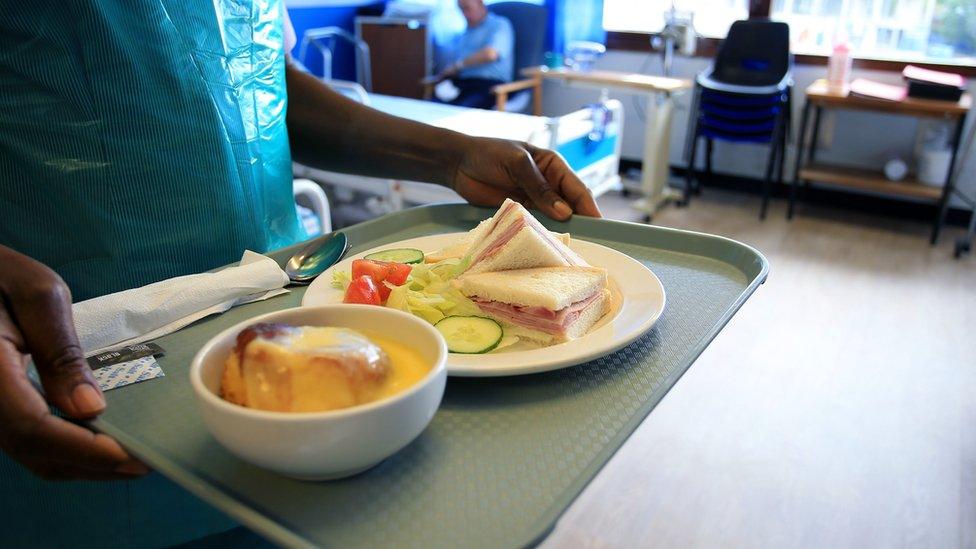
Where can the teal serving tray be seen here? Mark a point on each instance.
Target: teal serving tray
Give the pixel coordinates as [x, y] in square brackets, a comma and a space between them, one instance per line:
[503, 457]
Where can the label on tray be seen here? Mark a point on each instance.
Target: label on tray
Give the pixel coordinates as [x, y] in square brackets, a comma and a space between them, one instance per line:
[127, 373]
[125, 354]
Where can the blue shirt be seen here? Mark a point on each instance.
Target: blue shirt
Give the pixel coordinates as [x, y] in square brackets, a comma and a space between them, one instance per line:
[495, 31]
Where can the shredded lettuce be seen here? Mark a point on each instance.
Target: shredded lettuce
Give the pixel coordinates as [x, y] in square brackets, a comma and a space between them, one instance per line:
[429, 294]
[341, 279]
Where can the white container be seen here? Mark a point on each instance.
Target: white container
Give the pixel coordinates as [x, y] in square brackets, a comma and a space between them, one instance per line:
[333, 444]
[933, 167]
[933, 153]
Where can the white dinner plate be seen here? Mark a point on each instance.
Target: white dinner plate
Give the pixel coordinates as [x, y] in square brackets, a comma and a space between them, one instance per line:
[636, 303]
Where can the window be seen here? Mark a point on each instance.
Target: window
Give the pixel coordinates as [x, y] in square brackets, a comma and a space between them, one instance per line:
[911, 30]
[712, 18]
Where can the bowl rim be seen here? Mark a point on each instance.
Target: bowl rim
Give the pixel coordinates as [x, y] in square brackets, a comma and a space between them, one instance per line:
[204, 393]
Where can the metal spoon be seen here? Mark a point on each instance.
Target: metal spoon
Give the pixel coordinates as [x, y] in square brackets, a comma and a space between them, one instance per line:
[320, 254]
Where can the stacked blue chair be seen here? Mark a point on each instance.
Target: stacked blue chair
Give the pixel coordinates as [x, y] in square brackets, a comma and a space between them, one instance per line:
[744, 97]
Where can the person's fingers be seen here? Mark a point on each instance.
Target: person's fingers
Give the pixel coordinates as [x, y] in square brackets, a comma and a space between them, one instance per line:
[565, 182]
[32, 435]
[524, 170]
[9, 332]
[42, 312]
[35, 319]
[480, 194]
[50, 435]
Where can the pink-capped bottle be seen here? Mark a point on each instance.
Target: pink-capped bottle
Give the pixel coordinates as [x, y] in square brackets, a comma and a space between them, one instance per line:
[839, 65]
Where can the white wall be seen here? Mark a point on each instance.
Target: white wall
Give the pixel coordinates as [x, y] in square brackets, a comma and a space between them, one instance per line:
[857, 139]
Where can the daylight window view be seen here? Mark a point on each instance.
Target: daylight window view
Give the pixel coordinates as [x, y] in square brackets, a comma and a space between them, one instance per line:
[912, 30]
[943, 30]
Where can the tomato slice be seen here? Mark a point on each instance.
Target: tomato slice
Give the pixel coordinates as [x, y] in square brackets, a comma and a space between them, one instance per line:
[380, 272]
[363, 290]
[384, 291]
[366, 267]
[398, 273]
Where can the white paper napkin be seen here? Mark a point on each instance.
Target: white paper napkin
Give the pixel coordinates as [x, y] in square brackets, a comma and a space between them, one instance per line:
[145, 313]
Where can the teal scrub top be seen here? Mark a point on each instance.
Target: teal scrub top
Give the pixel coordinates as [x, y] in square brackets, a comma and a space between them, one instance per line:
[139, 140]
[143, 140]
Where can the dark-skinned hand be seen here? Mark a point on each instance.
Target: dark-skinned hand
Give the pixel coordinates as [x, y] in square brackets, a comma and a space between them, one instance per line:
[35, 320]
[492, 170]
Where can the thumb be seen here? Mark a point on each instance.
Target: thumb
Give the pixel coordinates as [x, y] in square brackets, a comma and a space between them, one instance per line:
[530, 178]
[42, 313]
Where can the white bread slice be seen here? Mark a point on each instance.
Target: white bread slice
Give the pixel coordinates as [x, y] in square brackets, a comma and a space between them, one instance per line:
[531, 246]
[590, 316]
[454, 251]
[525, 250]
[460, 248]
[578, 329]
[554, 288]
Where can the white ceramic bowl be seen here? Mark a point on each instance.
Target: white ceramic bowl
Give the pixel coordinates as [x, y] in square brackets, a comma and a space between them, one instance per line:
[324, 445]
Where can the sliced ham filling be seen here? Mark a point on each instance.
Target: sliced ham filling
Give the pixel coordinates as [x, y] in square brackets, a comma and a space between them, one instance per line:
[509, 233]
[571, 258]
[537, 318]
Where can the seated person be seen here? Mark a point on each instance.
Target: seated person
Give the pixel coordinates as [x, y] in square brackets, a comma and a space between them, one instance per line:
[485, 55]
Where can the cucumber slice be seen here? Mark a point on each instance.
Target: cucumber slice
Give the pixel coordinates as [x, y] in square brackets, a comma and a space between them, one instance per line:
[470, 334]
[400, 255]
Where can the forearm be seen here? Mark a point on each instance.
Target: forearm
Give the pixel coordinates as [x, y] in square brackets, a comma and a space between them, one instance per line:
[486, 54]
[330, 131]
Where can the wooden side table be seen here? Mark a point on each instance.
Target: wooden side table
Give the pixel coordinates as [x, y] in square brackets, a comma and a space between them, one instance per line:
[819, 97]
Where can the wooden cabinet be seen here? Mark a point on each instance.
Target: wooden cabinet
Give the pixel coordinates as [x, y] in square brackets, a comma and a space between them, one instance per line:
[399, 54]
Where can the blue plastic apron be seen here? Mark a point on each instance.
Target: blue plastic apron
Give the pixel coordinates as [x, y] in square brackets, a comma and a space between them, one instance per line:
[139, 140]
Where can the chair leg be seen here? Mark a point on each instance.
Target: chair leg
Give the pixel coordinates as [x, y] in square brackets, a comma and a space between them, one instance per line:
[709, 155]
[691, 138]
[709, 149]
[800, 143]
[768, 182]
[788, 122]
[501, 100]
[784, 134]
[692, 123]
[690, 173]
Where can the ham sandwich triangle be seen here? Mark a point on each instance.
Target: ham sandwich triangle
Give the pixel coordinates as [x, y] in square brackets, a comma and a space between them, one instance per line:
[545, 304]
[528, 279]
[513, 239]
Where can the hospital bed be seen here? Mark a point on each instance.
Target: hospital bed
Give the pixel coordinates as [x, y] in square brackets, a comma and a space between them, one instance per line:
[589, 139]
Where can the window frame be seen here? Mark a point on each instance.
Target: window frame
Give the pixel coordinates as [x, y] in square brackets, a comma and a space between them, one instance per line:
[708, 47]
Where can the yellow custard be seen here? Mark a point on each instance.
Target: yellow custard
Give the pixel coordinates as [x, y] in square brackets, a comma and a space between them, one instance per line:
[407, 367]
[311, 369]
